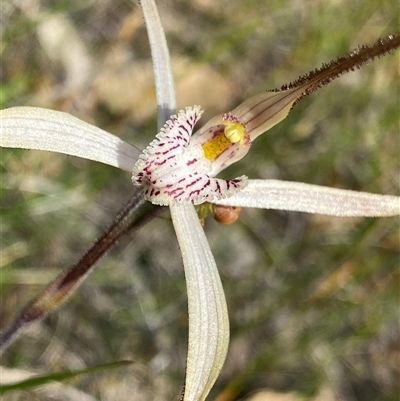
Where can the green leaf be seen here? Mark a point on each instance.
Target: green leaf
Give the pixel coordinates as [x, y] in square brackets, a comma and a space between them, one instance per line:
[60, 376]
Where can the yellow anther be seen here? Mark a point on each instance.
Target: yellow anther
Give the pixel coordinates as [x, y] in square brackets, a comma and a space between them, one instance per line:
[223, 138]
[235, 132]
[215, 146]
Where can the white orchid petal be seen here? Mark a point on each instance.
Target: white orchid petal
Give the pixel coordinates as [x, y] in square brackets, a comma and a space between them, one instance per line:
[55, 131]
[164, 79]
[208, 316]
[300, 197]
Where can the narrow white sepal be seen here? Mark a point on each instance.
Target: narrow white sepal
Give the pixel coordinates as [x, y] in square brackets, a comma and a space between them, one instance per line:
[164, 80]
[55, 131]
[301, 197]
[208, 315]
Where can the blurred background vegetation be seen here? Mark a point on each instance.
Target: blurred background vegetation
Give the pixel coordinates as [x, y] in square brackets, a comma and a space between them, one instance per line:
[313, 300]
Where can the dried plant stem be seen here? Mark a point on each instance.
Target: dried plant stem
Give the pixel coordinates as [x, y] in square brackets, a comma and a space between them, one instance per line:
[128, 219]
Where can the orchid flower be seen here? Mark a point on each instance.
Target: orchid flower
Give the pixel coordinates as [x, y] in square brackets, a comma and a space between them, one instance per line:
[179, 169]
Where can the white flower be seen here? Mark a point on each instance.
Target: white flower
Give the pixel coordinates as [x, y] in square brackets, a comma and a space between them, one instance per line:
[179, 170]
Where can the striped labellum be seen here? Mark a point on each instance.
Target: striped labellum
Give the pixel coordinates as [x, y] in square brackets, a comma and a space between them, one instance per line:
[173, 171]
